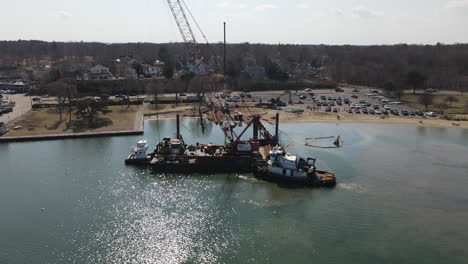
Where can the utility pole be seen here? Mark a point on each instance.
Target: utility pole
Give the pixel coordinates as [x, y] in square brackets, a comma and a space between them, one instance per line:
[224, 67]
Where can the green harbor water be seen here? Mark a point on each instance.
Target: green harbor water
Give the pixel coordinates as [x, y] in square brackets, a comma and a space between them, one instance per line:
[402, 197]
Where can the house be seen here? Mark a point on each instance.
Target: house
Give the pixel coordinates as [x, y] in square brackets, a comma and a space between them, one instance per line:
[3, 128]
[131, 74]
[255, 72]
[311, 71]
[199, 68]
[99, 72]
[153, 71]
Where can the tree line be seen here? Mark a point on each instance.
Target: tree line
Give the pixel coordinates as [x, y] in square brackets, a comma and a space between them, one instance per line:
[403, 66]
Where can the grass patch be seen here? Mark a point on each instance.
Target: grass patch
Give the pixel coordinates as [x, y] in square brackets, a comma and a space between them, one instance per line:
[457, 107]
[47, 121]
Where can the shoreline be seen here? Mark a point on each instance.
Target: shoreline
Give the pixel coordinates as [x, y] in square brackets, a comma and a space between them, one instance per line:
[69, 136]
[333, 120]
[390, 121]
[285, 118]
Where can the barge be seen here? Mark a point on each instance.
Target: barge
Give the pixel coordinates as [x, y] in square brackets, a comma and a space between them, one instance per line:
[255, 155]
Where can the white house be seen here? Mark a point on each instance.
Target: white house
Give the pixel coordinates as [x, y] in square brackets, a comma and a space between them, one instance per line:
[99, 72]
[199, 68]
[153, 71]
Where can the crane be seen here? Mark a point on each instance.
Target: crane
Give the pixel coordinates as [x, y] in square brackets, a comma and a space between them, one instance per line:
[185, 29]
[182, 21]
[180, 12]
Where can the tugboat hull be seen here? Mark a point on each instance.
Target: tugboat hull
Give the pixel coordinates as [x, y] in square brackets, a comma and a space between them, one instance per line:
[132, 160]
[318, 179]
[209, 164]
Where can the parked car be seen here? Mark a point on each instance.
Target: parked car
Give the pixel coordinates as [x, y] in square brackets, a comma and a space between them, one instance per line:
[372, 111]
[412, 113]
[335, 110]
[365, 111]
[339, 103]
[308, 90]
[386, 107]
[352, 105]
[431, 114]
[350, 111]
[328, 109]
[419, 113]
[302, 97]
[404, 112]
[318, 103]
[357, 111]
[376, 106]
[378, 112]
[354, 96]
[35, 99]
[356, 91]
[323, 97]
[385, 112]
[358, 106]
[395, 112]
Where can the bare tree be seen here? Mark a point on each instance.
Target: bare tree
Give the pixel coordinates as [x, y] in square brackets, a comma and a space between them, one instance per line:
[59, 89]
[442, 108]
[398, 91]
[153, 89]
[415, 80]
[450, 100]
[426, 99]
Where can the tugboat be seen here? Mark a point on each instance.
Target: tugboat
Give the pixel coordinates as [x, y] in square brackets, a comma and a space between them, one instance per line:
[139, 156]
[284, 167]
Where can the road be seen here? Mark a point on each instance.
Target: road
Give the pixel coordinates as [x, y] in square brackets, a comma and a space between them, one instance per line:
[23, 106]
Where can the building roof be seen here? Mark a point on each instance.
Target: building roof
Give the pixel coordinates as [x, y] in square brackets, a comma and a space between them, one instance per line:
[99, 67]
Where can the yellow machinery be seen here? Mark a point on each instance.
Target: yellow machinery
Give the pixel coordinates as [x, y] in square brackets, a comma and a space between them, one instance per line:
[284, 94]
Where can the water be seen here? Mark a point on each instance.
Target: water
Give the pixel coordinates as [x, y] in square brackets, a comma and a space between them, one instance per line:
[401, 198]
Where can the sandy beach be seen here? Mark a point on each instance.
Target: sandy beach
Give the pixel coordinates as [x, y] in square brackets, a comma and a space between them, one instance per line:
[320, 117]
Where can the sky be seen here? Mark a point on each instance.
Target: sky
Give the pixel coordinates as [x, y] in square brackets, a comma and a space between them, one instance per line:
[358, 22]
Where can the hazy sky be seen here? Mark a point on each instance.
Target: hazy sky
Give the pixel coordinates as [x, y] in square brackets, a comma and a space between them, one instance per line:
[273, 21]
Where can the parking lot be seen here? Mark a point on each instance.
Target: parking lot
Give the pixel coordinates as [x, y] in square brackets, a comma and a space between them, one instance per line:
[350, 101]
[22, 106]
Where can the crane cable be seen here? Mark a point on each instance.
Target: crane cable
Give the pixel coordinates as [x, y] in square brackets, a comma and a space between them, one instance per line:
[195, 21]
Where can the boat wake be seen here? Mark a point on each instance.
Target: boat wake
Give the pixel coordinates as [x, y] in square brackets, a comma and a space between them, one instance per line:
[352, 187]
[248, 178]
